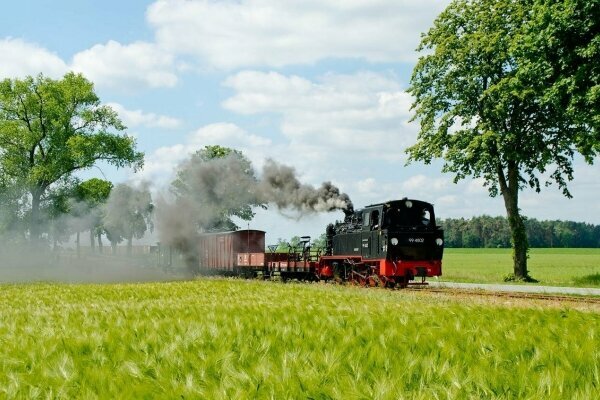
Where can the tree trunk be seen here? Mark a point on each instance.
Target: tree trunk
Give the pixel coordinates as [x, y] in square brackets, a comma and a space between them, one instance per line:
[78, 246]
[92, 241]
[510, 193]
[129, 245]
[100, 248]
[520, 244]
[113, 245]
[34, 228]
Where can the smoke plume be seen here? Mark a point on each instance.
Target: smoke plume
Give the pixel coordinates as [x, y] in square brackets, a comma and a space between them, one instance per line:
[281, 187]
[208, 193]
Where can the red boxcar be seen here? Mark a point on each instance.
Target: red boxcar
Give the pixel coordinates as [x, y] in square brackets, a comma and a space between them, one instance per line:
[227, 251]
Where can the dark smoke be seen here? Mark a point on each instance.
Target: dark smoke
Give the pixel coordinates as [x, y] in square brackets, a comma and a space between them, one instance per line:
[281, 187]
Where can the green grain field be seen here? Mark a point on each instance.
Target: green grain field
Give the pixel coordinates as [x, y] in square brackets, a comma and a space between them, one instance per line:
[553, 267]
[235, 339]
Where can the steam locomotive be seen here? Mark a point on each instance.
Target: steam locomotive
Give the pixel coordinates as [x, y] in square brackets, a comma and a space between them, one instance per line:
[390, 244]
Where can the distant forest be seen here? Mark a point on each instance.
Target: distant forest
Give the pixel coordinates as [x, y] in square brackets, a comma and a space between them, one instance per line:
[486, 231]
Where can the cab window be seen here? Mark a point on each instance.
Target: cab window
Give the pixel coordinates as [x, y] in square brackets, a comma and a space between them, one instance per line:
[425, 217]
[375, 219]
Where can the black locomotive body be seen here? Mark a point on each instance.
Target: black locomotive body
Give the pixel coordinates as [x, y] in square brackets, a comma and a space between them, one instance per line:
[391, 242]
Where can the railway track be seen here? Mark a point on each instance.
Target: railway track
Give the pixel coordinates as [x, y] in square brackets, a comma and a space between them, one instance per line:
[512, 295]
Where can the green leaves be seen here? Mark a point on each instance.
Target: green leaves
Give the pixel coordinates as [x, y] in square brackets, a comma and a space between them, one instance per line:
[128, 212]
[513, 71]
[51, 128]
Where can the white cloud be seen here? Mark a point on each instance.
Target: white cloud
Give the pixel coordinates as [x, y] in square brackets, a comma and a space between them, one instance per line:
[21, 58]
[364, 113]
[447, 200]
[136, 118]
[476, 187]
[366, 186]
[160, 165]
[127, 67]
[232, 34]
[110, 65]
[415, 183]
[421, 185]
[227, 134]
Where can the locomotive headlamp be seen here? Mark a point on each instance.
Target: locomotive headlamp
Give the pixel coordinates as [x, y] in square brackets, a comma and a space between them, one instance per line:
[439, 241]
[394, 241]
[408, 203]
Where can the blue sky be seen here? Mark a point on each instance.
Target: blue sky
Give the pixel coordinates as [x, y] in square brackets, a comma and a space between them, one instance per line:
[318, 85]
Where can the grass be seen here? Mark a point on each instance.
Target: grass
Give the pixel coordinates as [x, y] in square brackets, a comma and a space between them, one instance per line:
[554, 267]
[219, 339]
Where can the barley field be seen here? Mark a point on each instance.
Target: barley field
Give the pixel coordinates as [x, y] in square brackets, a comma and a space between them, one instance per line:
[553, 267]
[236, 339]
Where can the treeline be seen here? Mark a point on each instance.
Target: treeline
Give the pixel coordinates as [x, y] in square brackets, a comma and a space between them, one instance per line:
[486, 231]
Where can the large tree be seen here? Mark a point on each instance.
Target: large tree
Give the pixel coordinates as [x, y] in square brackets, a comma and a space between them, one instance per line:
[51, 128]
[498, 96]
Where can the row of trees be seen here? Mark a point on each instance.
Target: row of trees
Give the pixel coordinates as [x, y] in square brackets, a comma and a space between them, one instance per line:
[486, 231]
[120, 213]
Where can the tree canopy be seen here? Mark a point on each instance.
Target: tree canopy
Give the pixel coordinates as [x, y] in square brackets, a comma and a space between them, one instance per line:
[51, 128]
[497, 96]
